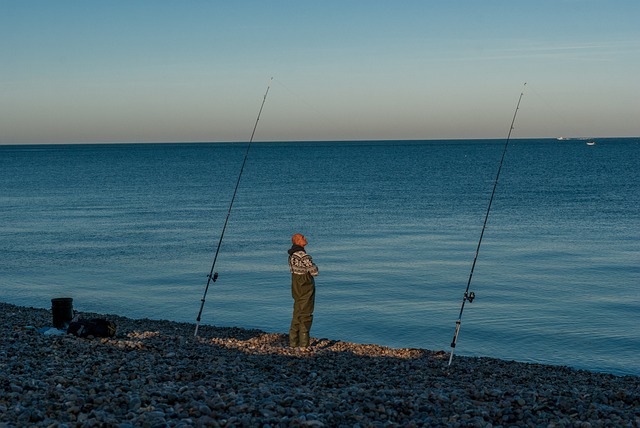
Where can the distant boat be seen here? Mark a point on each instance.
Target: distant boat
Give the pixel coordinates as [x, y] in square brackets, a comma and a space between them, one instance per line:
[591, 143]
[563, 138]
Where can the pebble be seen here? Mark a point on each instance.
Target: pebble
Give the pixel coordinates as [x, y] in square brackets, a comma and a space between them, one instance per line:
[157, 374]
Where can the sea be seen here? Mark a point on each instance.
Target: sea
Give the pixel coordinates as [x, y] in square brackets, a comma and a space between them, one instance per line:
[394, 227]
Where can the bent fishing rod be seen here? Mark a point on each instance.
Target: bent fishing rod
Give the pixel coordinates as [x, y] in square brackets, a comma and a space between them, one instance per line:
[469, 296]
[212, 277]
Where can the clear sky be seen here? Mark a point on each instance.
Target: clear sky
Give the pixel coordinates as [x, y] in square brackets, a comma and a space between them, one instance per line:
[159, 70]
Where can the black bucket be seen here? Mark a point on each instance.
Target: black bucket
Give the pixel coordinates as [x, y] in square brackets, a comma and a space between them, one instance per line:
[62, 309]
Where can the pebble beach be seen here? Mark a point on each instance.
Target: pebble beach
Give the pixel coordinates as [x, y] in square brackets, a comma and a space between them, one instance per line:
[157, 374]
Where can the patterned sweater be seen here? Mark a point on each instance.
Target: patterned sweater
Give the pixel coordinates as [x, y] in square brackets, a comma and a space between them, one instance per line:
[300, 262]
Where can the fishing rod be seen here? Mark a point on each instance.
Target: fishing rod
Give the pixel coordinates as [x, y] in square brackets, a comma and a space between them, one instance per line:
[469, 296]
[212, 277]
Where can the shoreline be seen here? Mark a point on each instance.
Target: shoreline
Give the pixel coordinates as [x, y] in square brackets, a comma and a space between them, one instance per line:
[156, 373]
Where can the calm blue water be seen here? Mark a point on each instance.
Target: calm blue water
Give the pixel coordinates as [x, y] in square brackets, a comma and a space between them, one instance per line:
[132, 230]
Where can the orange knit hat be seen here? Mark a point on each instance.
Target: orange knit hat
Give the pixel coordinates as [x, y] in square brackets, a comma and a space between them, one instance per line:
[298, 239]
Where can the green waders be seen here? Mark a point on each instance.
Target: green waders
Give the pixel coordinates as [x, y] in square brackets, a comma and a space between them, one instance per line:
[303, 291]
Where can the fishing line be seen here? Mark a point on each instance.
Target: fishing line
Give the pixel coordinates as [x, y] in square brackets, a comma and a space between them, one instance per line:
[319, 116]
[212, 277]
[298, 97]
[469, 296]
[559, 119]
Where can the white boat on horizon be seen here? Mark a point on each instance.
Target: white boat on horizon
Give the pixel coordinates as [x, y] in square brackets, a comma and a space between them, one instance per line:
[591, 143]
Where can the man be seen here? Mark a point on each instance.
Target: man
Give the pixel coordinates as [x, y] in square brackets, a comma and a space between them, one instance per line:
[303, 291]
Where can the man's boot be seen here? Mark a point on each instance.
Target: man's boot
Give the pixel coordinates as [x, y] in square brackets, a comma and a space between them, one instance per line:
[304, 340]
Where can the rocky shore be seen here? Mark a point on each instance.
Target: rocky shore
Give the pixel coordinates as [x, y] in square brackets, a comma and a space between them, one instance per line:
[157, 374]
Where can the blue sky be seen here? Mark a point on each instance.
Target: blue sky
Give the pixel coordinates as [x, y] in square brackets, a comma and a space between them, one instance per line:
[157, 70]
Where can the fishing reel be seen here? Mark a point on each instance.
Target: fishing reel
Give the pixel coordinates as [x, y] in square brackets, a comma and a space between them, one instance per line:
[214, 277]
[469, 296]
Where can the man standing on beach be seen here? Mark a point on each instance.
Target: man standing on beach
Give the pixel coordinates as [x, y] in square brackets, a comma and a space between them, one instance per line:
[303, 291]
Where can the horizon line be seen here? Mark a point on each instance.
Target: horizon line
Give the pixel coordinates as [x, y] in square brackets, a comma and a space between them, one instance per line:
[315, 141]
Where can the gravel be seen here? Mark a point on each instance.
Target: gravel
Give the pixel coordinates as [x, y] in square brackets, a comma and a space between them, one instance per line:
[157, 374]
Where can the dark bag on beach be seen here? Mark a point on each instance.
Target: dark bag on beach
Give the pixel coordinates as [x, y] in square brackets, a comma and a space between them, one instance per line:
[95, 327]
